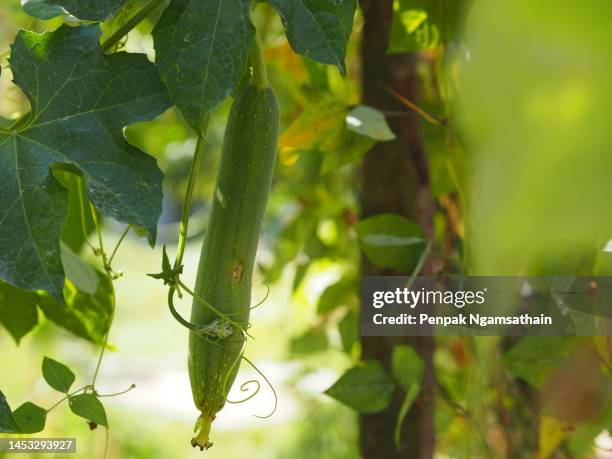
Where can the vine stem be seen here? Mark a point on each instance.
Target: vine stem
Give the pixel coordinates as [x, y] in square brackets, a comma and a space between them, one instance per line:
[108, 270]
[258, 64]
[68, 396]
[193, 173]
[130, 24]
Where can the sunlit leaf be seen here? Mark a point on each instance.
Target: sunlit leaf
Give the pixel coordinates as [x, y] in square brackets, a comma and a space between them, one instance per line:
[89, 300]
[369, 122]
[423, 24]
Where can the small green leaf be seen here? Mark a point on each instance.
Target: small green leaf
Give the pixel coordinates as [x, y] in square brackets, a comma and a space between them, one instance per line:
[42, 9]
[201, 49]
[318, 29]
[412, 392]
[407, 366]
[17, 310]
[342, 293]
[31, 418]
[369, 122]
[57, 375]
[7, 420]
[313, 340]
[367, 388]
[348, 327]
[88, 406]
[391, 241]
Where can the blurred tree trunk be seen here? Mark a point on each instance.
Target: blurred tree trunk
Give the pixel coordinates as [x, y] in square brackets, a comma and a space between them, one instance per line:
[395, 180]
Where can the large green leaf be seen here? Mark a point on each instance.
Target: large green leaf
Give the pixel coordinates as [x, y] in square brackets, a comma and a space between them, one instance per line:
[367, 388]
[202, 48]
[17, 310]
[391, 241]
[88, 406]
[81, 101]
[318, 29]
[91, 10]
[7, 420]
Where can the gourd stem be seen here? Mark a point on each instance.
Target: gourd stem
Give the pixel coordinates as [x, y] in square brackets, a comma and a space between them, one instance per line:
[260, 74]
[130, 24]
[193, 173]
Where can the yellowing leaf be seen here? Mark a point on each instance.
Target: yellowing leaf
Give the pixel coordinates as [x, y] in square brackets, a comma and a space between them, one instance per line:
[313, 126]
[552, 433]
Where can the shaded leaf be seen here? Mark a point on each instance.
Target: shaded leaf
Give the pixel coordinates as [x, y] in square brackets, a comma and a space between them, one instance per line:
[533, 358]
[407, 366]
[202, 50]
[90, 10]
[57, 375]
[69, 113]
[17, 310]
[348, 327]
[318, 29]
[367, 388]
[31, 418]
[391, 241]
[339, 294]
[7, 420]
[89, 407]
[369, 122]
